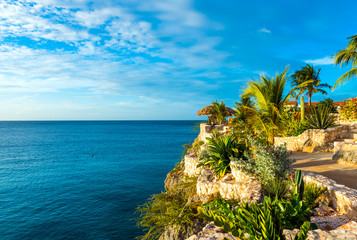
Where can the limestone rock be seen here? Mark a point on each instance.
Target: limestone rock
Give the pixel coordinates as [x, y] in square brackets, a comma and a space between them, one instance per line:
[211, 232]
[191, 162]
[173, 178]
[228, 187]
[181, 234]
[351, 226]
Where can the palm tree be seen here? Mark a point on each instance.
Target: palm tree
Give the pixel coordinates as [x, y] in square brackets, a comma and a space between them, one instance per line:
[346, 56]
[268, 95]
[308, 81]
[243, 120]
[219, 111]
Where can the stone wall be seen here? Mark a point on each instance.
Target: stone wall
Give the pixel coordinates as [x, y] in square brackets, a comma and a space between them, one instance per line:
[206, 131]
[347, 154]
[243, 188]
[341, 121]
[319, 137]
[340, 197]
[344, 147]
[191, 169]
[347, 232]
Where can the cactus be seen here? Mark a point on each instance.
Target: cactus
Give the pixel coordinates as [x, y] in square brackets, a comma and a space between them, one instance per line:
[302, 108]
[299, 184]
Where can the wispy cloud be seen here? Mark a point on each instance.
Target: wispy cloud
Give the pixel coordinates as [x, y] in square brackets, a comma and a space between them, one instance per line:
[107, 49]
[320, 61]
[264, 30]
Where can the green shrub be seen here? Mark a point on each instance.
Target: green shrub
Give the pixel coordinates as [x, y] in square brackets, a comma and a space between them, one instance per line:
[327, 102]
[265, 162]
[219, 153]
[320, 118]
[196, 146]
[294, 212]
[276, 188]
[168, 209]
[260, 220]
[312, 194]
[293, 125]
[349, 109]
[215, 135]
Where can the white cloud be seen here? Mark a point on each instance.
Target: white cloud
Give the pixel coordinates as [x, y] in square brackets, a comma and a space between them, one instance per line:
[95, 18]
[264, 30]
[105, 49]
[24, 20]
[321, 61]
[180, 12]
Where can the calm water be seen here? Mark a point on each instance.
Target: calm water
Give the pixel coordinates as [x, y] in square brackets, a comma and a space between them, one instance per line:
[51, 187]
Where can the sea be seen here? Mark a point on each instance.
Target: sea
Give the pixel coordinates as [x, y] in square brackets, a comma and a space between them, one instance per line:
[83, 179]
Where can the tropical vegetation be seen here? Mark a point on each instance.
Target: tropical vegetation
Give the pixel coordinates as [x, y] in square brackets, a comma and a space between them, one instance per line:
[244, 118]
[345, 57]
[265, 162]
[307, 80]
[349, 109]
[288, 208]
[321, 117]
[218, 112]
[313, 194]
[219, 153]
[269, 98]
[265, 220]
[262, 113]
[169, 209]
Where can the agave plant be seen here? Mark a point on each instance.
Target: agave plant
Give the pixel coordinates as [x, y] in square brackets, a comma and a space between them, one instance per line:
[320, 118]
[219, 152]
[276, 188]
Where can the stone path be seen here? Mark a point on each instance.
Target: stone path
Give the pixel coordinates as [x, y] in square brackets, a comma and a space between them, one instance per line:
[323, 164]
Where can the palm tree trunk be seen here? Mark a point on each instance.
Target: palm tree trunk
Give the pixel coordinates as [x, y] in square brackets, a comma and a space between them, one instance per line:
[310, 99]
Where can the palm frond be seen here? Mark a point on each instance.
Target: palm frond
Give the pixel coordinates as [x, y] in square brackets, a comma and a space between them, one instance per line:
[345, 57]
[345, 77]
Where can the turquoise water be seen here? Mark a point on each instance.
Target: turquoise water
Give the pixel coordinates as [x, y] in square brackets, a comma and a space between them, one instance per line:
[83, 180]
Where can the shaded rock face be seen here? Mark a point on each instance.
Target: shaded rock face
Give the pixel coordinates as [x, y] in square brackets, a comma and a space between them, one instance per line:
[181, 234]
[173, 178]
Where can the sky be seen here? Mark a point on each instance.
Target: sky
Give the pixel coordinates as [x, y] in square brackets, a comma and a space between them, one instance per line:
[159, 59]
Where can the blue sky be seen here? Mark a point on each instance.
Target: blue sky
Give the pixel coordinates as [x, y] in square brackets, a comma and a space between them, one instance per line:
[158, 59]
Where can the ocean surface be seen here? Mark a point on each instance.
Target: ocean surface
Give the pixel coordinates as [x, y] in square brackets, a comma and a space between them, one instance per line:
[83, 179]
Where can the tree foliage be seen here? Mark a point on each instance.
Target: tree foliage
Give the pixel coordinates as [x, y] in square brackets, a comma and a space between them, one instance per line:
[307, 80]
[219, 112]
[345, 57]
[269, 99]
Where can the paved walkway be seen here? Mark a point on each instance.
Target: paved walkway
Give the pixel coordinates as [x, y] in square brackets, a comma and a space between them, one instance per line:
[323, 164]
